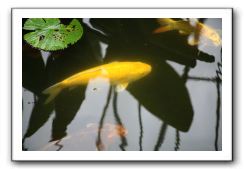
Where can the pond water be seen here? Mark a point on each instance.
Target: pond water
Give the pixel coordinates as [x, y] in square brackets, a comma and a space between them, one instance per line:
[177, 107]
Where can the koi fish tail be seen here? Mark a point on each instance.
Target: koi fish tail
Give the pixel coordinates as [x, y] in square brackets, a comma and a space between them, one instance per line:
[163, 29]
[165, 21]
[52, 91]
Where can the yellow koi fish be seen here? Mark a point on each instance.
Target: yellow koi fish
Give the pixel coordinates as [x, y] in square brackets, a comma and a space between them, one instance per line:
[118, 73]
[186, 27]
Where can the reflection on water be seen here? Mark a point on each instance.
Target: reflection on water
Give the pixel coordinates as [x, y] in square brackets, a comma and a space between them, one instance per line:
[177, 107]
[161, 137]
[141, 126]
[99, 140]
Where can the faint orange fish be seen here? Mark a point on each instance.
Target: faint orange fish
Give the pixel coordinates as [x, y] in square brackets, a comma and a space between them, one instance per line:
[195, 29]
[109, 132]
[115, 130]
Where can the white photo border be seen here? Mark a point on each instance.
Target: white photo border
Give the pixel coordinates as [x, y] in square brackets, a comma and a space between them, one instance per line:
[227, 82]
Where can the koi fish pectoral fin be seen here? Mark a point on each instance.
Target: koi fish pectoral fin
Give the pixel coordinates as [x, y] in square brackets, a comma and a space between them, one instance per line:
[121, 87]
[193, 39]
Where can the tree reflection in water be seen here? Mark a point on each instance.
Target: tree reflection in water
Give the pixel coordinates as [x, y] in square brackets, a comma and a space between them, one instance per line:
[141, 126]
[99, 143]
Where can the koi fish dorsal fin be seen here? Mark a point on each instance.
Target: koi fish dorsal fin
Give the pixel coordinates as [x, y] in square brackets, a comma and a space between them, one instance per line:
[121, 87]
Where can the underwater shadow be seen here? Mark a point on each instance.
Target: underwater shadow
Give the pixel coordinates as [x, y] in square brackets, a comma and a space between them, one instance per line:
[163, 93]
[33, 70]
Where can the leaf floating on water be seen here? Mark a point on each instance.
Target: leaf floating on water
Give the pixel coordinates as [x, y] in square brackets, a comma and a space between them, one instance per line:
[50, 35]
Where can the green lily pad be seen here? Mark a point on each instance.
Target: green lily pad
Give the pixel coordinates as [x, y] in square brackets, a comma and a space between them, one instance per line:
[50, 35]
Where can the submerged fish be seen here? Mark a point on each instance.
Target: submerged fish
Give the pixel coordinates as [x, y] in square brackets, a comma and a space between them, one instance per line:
[118, 73]
[110, 133]
[195, 28]
[114, 131]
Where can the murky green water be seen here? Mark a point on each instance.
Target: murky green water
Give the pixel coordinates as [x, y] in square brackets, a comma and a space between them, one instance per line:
[177, 107]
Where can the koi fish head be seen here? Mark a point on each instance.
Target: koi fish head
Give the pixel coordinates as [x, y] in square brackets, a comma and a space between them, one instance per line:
[142, 69]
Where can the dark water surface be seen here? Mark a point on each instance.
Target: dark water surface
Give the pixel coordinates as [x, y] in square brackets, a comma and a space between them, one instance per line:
[177, 107]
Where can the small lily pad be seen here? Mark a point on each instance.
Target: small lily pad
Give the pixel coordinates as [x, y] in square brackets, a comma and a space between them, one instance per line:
[50, 34]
